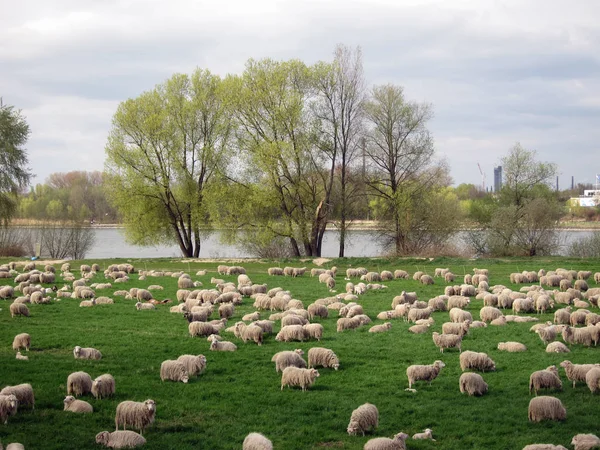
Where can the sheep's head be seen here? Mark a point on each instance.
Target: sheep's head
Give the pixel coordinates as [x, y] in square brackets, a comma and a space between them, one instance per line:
[315, 373]
[566, 364]
[439, 364]
[68, 400]
[138, 305]
[150, 405]
[77, 351]
[299, 351]
[352, 428]
[401, 437]
[103, 437]
[336, 366]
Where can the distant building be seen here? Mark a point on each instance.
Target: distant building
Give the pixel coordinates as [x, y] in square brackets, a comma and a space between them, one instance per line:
[497, 178]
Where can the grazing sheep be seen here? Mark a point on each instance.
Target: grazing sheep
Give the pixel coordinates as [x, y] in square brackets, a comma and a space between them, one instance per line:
[398, 442]
[592, 379]
[380, 328]
[315, 310]
[249, 332]
[86, 353]
[294, 376]
[202, 329]
[473, 384]
[459, 329]
[292, 319]
[345, 323]
[23, 392]
[423, 372]
[288, 358]
[585, 441]
[458, 301]
[511, 347]
[324, 357]
[547, 333]
[256, 441]
[266, 325]
[120, 439]
[443, 341]
[18, 309]
[79, 383]
[103, 386]
[577, 372]
[458, 315]
[426, 279]
[222, 346]
[22, 340]
[415, 314]
[557, 347]
[546, 408]
[401, 274]
[313, 330]
[194, 364]
[489, 313]
[8, 407]
[138, 415]
[577, 336]
[476, 361]
[563, 316]
[363, 419]
[523, 305]
[544, 379]
[77, 406]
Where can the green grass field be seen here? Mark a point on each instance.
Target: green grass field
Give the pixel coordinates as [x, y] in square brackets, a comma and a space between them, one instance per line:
[240, 392]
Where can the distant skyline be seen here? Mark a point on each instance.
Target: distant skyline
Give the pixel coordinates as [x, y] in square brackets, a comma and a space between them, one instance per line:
[495, 72]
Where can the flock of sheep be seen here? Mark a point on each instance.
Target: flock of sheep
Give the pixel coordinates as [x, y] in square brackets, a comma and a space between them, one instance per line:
[197, 305]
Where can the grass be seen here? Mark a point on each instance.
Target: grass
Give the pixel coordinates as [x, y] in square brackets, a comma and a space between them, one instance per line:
[240, 392]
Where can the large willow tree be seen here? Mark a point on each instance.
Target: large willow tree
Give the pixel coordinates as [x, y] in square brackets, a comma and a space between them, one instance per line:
[165, 149]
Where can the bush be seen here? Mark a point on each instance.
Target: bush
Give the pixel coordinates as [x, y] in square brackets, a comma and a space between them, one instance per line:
[14, 241]
[587, 247]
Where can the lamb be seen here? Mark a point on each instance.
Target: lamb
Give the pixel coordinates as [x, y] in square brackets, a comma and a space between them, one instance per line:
[144, 306]
[544, 379]
[398, 442]
[194, 364]
[424, 372]
[512, 347]
[443, 341]
[313, 330]
[79, 383]
[18, 309]
[380, 328]
[288, 358]
[256, 441]
[77, 406]
[8, 407]
[120, 439]
[426, 434]
[577, 372]
[22, 340]
[592, 379]
[87, 303]
[363, 419]
[320, 356]
[222, 346]
[21, 357]
[473, 384]
[546, 408]
[294, 376]
[23, 392]
[419, 329]
[249, 332]
[585, 441]
[103, 386]
[138, 415]
[202, 329]
[557, 347]
[86, 353]
[476, 361]
[577, 336]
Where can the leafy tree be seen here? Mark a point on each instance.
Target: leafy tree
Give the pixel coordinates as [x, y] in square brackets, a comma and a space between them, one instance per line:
[14, 175]
[165, 149]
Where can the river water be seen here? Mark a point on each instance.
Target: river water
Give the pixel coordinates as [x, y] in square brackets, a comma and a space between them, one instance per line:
[110, 243]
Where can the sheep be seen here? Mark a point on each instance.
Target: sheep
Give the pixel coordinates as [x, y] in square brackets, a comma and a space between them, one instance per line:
[313, 330]
[21, 340]
[18, 309]
[86, 353]
[404, 297]
[419, 329]
[524, 305]
[256, 441]
[222, 346]
[443, 341]
[563, 316]
[466, 290]
[592, 379]
[251, 316]
[103, 386]
[202, 329]
[476, 361]
[363, 419]
[544, 447]
[578, 317]
[19, 356]
[324, 357]
[140, 306]
[585, 441]
[557, 347]
[459, 329]
[577, 372]
[344, 323]
[288, 359]
[489, 313]
[76, 406]
[458, 315]
[426, 434]
[293, 320]
[478, 324]
[273, 271]
[415, 314]
[401, 274]
[8, 407]
[398, 442]
[249, 332]
[577, 336]
[380, 328]
[315, 310]
[546, 408]
[547, 333]
[137, 414]
[226, 310]
[458, 301]
[194, 364]
[473, 384]
[426, 279]
[294, 376]
[291, 333]
[512, 347]
[120, 439]
[79, 383]
[544, 379]
[424, 372]
[266, 325]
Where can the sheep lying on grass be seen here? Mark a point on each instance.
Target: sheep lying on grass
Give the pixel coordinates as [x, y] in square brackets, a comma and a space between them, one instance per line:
[577, 372]
[288, 358]
[256, 441]
[21, 357]
[319, 356]
[511, 347]
[77, 406]
[8, 407]
[23, 392]
[398, 442]
[585, 441]
[423, 372]
[545, 379]
[546, 408]
[79, 383]
[472, 383]
[120, 439]
[138, 415]
[363, 419]
[293, 376]
[380, 328]
[544, 447]
[426, 434]
[86, 353]
[222, 346]
[557, 347]
[22, 340]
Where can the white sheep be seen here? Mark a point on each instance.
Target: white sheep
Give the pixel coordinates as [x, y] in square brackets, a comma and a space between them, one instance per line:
[138, 415]
[313, 330]
[443, 341]
[544, 379]
[426, 434]
[363, 419]
[398, 442]
[476, 361]
[294, 376]
[195, 364]
[79, 383]
[544, 447]
[173, 370]
[22, 357]
[592, 379]
[423, 372]
[546, 408]
[473, 384]
[325, 357]
[256, 441]
[22, 340]
[380, 328]
[144, 306]
[511, 347]
[103, 386]
[459, 329]
[23, 392]
[458, 315]
[291, 333]
[222, 346]
[8, 407]
[288, 358]
[86, 353]
[202, 329]
[577, 336]
[585, 441]
[249, 332]
[577, 372]
[120, 439]
[77, 406]
[18, 309]
[344, 323]
[557, 347]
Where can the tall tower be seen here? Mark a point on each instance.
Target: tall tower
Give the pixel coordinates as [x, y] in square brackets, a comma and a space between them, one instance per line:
[497, 178]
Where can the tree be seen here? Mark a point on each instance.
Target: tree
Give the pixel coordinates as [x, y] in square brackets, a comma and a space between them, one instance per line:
[14, 175]
[165, 149]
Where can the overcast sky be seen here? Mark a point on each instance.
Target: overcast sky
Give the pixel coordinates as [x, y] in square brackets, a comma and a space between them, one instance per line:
[496, 72]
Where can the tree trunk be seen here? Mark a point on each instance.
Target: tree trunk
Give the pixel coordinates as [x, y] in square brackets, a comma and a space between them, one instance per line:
[295, 247]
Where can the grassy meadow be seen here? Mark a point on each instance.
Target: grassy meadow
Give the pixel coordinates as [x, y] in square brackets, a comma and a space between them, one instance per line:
[240, 392]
